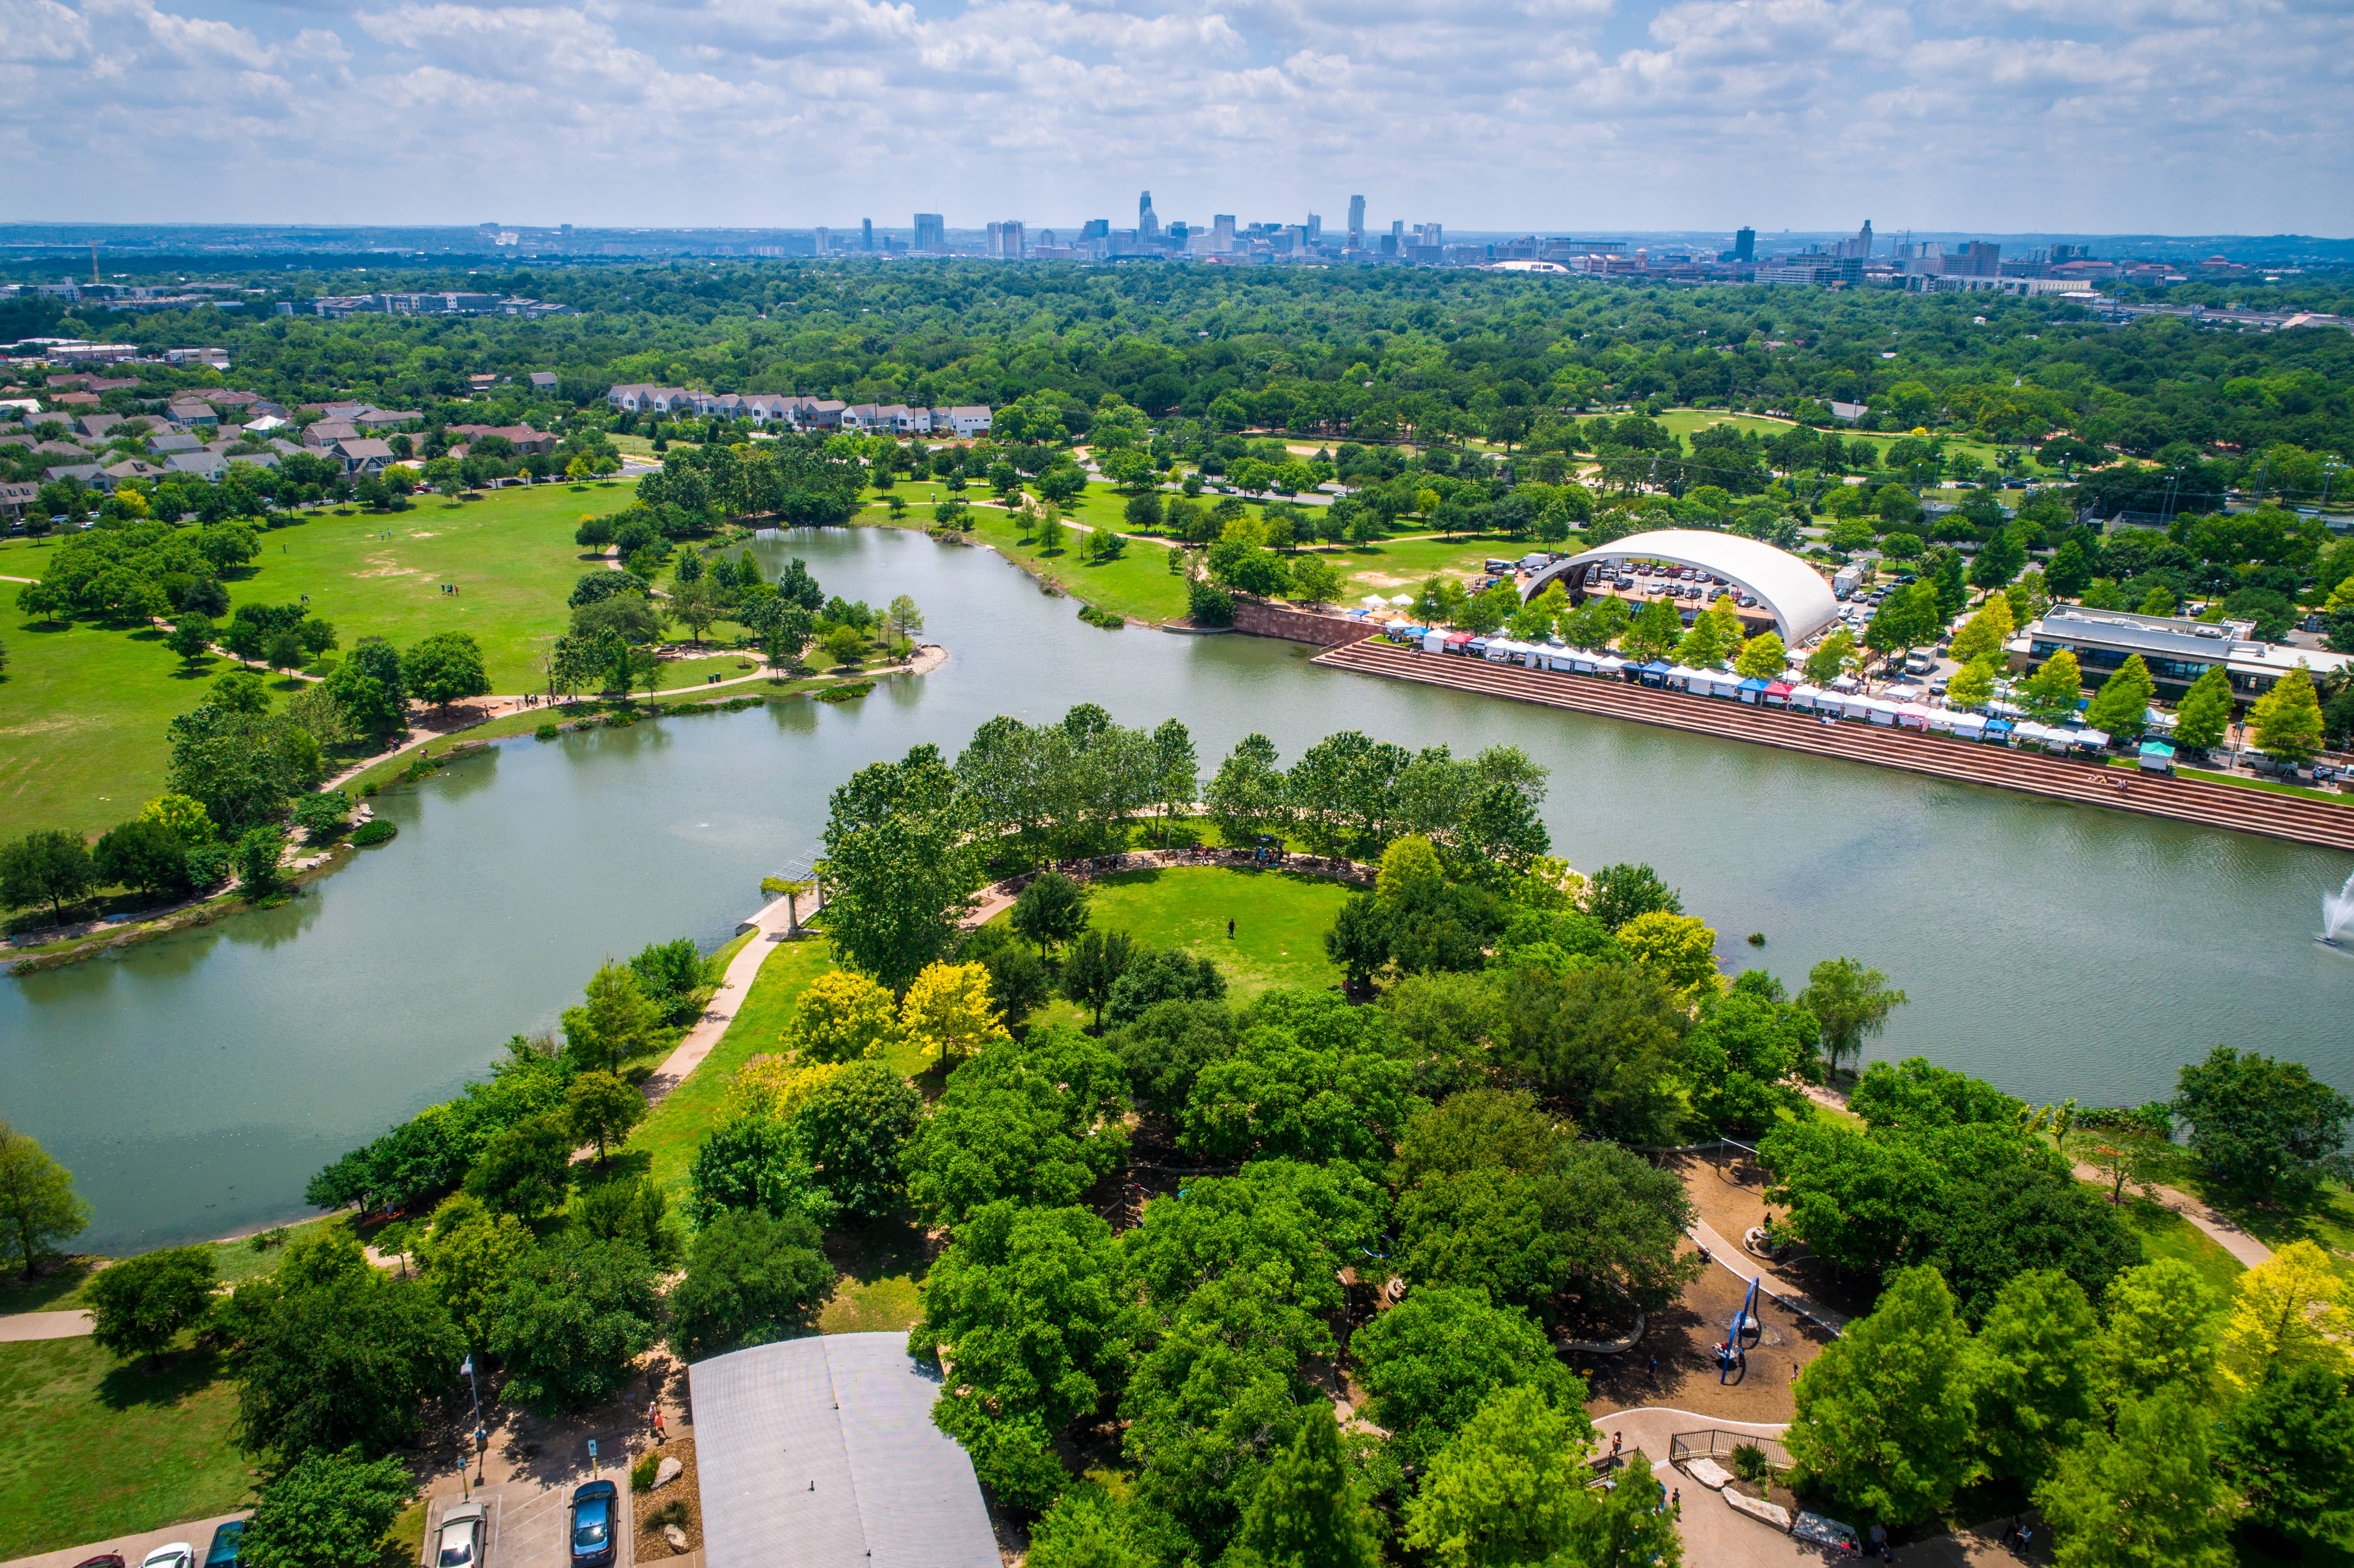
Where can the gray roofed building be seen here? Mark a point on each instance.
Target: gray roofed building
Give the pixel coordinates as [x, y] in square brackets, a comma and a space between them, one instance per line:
[60, 449]
[2175, 651]
[203, 464]
[821, 1452]
[175, 443]
[131, 468]
[386, 419]
[366, 455]
[544, 380]
[16, 498]
[87, 474]
[258, 460]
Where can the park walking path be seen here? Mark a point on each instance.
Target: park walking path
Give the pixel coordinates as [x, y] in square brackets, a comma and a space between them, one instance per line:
[21, 1328]
[1744, 1265]
[770, 926]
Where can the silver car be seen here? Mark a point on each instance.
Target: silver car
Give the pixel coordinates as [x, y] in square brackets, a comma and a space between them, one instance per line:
[461, 1544]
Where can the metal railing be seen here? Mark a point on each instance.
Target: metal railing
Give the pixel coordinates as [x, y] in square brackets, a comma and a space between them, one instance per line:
[1714, 1444]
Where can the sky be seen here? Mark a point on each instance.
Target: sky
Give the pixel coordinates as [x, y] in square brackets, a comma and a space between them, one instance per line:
[2006, 116]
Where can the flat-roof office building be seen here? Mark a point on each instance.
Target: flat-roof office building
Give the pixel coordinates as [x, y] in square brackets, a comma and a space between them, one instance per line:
[2177, 652]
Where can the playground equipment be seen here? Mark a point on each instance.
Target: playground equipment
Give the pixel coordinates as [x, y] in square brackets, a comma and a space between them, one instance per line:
[1744, 1332]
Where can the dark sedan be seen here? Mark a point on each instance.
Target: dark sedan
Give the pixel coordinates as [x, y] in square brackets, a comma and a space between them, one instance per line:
[593, 1508]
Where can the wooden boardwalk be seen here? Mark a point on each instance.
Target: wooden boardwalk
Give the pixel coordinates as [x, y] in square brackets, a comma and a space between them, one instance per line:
[2291, 817]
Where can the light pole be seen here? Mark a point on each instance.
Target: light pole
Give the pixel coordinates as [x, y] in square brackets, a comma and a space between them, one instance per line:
[481, 1433]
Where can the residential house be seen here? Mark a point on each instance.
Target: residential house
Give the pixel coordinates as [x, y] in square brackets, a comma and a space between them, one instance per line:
[64, 450]
[329, 432]
[375, 421]
[965, 420]
[131, 468]
[365, 455]
[88, 475]
[202, 464]
[76, 400]
[255, 459]
[526, 441]
[179, 441]
[542, 381]
[639, 397]
[16, 499]
[186, 412]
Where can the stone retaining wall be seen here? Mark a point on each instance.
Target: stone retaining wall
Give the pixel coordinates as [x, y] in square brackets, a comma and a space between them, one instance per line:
[1262, 620]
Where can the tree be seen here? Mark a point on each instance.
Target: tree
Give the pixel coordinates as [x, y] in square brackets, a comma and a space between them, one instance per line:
[1829, 662]
[466, 1255]
[2034, 1376]
[618, 1020]
[694, 604]
[142, 854]
[2120, 707]
[2162, 1329]
[842, 1017]
[1654, 632]
[575, 1315]
[1051, 910]
[948, 1012]
[1034, 1119]
[47, 865]
[1972, 685]
[2288, 1450]
[367, 685]
[138, 1306]
[2265, 1128]
[1885, 1414]
[525, 1169]
[2287, 719]
[1312, 1078]
[600, 1108]
[38, 1206]
[191, 637]
[1763, 658]
[1249, 795]
[446, 667]
[325, 1510]
[1998, 560]
[2205, 713]
[1307, 1512]
[345, 1359]
[1629, 1529]
[1851, 1003]
[1508, 1488]
[1432, 1360]
[2288, 1316]
[751, 1278]
[1905, 618]
[1092, 1527]
[2053, 692]
[1984, 634]
[899, 863]
[855, 1126]
[1176, 772]
[755, 1160]
[1097, 962]
[2071, 571]
[904, 619]
[1617, 894]
[1314, 580]
[1677, 950]
[2149, 1496]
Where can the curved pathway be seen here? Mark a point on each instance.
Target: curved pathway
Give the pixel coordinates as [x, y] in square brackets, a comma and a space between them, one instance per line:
[18, 1328]
[770, 926]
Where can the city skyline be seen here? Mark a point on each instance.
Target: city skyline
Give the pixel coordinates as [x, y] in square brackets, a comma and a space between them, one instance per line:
[2155, 118]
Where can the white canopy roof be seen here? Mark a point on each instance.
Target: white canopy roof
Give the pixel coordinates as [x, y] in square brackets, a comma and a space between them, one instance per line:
[1794, 592]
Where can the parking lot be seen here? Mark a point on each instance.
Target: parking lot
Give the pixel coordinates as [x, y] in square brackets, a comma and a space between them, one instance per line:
[525, 1522]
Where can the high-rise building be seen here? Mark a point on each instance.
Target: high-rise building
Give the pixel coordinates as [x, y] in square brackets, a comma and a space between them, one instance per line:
[1356, 221]
[931, 231]
[1397, 232]
[1222, 232]
[1856, 249]
[1095, 229]
[1744, 245]
[866, 234]
[824, 246]
[1314, 228]
[1005, 242]
[1148, 222]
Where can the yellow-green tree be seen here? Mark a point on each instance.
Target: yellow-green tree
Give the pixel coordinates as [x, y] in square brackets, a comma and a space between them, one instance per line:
[1677, 950]
[844, 1016]
[1409, 866]
[2287, 719]
[2288, 1314]
[2122, 705]
[1972, 684]
[2206, 710]
[948, 1012]
[1829, 662]
[1763, 658]
[1985, 634]
[617, 1022]
[2051, 692]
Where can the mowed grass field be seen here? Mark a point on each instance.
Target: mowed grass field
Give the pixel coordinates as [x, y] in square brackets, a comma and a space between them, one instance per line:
[510, 557]
[83, 714]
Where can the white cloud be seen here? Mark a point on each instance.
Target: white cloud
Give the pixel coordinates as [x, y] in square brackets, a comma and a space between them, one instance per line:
[2184, 115]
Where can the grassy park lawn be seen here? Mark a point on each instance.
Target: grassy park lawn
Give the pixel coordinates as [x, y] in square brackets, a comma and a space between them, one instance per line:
[2165, 1233]
[1401, 566]
[1684, 421]
[83, 712]
[669, 1134]
[142, 1449]
[1139, 583]
[510, 554]
[1280, 918]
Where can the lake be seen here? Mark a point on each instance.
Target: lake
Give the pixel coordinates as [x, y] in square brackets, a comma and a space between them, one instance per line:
[194, 1084]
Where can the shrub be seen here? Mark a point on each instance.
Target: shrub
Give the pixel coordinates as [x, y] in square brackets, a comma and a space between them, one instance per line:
[375, 830]
[547, 732]
[1106, 618]
[846, 693]
[1749, 1463]
[642, 1471]
[1209, 605]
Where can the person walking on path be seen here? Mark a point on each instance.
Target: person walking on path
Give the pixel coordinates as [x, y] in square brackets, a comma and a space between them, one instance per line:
[1230, 930]
[655, 1411]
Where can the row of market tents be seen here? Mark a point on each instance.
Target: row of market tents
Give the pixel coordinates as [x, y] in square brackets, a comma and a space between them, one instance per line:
[1997, 722]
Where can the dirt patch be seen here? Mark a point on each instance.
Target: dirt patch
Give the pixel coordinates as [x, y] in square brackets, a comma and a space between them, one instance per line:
[1730, 1195]
[1674, 1364]
[679, 1503]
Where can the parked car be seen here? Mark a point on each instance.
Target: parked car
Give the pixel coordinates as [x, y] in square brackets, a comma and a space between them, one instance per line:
[460, 1542]
[593, 1508]
[228, 1549]
[176, 1554]
[104, 1560]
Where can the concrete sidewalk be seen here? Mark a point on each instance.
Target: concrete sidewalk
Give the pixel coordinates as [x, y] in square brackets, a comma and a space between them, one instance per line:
[17, 1328]
[197, 1534]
